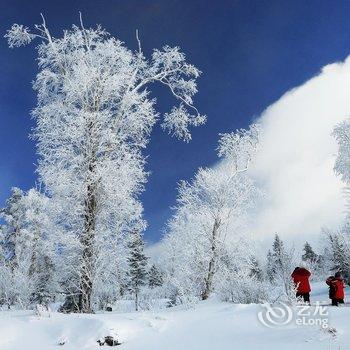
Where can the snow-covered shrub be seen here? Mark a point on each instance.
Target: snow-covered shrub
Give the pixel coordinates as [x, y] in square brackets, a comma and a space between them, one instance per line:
[153, 299]
[241, 287]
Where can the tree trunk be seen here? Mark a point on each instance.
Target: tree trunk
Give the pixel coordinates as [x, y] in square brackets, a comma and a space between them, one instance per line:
[136, 300]
[88, 237]
[87, 241]
[13, 263]
[33, 260]
[211, 268]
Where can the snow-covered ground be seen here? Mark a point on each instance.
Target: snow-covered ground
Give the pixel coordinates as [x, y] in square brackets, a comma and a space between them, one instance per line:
[209, 325]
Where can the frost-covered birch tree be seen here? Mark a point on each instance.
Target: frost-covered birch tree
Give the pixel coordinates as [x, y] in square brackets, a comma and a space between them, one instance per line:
[215, 198]
[94, 117]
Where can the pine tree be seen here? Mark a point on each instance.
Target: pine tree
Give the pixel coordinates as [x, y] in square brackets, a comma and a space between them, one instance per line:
[255, 269]
[339, 254]
[270, 266]
[309, 254]
[322, 265]
[155, 278]
[280, 264]
[137, 266]
[278, 251]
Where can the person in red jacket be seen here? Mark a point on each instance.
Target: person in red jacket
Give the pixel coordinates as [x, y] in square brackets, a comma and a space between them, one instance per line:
[300, 278]
[336, 289]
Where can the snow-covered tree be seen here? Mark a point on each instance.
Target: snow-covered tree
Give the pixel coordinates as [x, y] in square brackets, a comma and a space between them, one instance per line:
[309, 255]
[222, 193]
[26, 250]
[137, 260]
[342, 164]
[281, 263]
[94, 117]
[239, 277]
[339, 242]
[41, 270]
[17, 242]
[155, 278]
[338, 252]
[312, 261]
[184, 257]
[7, 288]
[256, 270]
[270, 266]
[12, 232]
[215, 199]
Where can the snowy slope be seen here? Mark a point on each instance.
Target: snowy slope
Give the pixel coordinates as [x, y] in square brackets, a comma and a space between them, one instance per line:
[210, 325]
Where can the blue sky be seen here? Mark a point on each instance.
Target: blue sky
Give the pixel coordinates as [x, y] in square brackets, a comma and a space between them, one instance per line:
[250, 53]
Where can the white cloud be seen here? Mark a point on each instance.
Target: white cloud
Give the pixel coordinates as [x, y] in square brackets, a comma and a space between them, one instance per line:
[295, 163]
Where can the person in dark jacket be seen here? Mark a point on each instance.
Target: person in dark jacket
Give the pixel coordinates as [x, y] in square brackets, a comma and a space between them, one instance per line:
[336, 289]
[300, 278]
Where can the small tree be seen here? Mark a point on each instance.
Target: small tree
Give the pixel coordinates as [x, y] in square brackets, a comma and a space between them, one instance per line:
[12, 234]
[155, 278]
[137, 266]
[270, 266]
[256, 270]
[7, 287]
[282, 265]
[25, 249]
[17, 247]
[339, 251]
[309, 255]
[43, 291]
